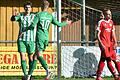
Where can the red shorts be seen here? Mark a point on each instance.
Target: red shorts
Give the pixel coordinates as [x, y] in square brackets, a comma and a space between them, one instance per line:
[108, 52]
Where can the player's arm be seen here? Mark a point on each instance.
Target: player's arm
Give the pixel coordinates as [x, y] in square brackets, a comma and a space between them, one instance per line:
[99, 28]
[35, 21]
[15, 16]
[54, 21]
[114, 37]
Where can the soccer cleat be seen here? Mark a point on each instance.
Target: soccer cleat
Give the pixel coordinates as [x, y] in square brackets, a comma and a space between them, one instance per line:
[47, 79]
[24, 78]
[29, 77]
[99, 78]
[48, 76]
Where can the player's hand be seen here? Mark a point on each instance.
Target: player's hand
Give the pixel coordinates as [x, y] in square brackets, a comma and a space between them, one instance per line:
[103, 47]
[115, 46]
[15, 12]
[68, 21]
[21, 34]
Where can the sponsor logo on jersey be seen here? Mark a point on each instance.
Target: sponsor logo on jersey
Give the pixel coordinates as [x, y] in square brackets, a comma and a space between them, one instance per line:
[108, 29]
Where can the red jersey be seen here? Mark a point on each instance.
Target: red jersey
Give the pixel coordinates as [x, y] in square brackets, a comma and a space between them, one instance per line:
[106, 27]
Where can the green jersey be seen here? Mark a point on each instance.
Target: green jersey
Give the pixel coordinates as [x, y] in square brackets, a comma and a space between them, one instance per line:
[43, 20]
[24, 22]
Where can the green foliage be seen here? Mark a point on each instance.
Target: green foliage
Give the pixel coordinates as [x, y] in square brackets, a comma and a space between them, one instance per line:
[116, 17]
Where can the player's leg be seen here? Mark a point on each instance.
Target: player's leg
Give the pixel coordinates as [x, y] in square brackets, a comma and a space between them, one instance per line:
[114, 59]
[117, 65]
[30, 51]
[107, 55]
[30, 57]
[110, 67]
[44, 65]
[41, 47]
[100, 68]
[22, 50]
[23, 65]
[32, 67]
[101, 64]
[38, 56]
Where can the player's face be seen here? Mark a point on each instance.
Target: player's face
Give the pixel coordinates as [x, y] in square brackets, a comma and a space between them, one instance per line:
[27, 8]
[108, 15]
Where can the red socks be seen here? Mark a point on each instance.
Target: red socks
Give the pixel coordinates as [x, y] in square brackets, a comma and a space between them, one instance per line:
[100, 68]
[111, 68]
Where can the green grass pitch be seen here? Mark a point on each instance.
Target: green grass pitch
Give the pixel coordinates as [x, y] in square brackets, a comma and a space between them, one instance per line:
[42, 78]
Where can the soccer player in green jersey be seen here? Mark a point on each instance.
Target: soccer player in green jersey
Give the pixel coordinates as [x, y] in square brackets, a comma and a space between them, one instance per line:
[43, 20]
[26, 40]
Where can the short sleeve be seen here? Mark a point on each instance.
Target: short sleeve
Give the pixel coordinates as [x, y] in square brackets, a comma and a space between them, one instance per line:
[99, 26]
[17, 18]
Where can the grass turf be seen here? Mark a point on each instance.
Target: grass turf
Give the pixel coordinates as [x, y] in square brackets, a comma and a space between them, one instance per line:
[42, 78]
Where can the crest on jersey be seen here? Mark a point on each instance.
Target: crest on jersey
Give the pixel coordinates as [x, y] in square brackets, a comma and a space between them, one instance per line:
[110, 24]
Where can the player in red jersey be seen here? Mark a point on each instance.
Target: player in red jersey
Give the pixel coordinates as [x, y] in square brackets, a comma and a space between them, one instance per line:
[107, 44]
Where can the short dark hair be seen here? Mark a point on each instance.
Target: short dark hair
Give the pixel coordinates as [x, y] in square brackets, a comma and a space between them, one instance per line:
[27, 3]
[105, 10]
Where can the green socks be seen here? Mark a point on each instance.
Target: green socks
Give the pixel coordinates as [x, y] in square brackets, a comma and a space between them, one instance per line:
[23, 65]
[30, 64]
[43, 62]
[32, 67]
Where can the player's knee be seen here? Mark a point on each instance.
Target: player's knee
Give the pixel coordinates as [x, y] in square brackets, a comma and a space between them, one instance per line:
[22, 56]
[31, 57]
[38, 53]
[35, 56]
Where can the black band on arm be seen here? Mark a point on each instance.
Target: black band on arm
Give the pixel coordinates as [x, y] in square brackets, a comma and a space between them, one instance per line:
[13, 18]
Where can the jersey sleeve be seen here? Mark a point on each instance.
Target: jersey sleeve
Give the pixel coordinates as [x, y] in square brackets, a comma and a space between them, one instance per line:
[17, 18]
[54, 21]
[34, 22]
[99, 28]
